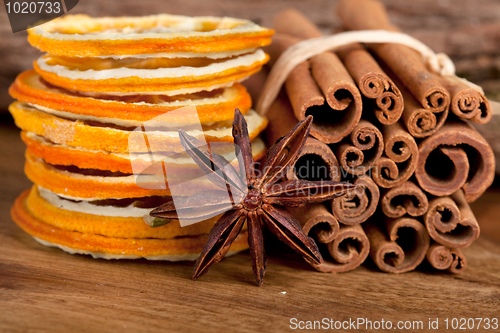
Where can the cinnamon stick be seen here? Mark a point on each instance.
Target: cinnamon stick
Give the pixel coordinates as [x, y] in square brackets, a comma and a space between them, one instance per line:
[363, 150]
[443, 258]
[405, 198]
[387, 100]
[399, 246]
[403, 61]
[467, 103]
[400, 157]
[371, 80]
[450, 221]
[419, 121]
[347, 246]
[348, 250]
[316, 160]
[322, 78]
[457, 156]
[317, 222]
[357, 206]
[294, 23]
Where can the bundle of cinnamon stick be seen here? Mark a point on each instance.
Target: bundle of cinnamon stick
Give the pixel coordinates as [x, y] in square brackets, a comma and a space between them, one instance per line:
[386, 122]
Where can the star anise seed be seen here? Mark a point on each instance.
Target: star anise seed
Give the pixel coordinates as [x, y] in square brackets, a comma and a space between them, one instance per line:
[254, 198]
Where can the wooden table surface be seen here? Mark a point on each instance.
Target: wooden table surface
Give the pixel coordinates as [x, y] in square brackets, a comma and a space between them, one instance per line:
[44, 289]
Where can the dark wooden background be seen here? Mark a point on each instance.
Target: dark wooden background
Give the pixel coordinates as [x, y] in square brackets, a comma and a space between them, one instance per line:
[468, 30]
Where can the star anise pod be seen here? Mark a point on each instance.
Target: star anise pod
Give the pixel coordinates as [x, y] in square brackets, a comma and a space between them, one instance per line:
[254, 196]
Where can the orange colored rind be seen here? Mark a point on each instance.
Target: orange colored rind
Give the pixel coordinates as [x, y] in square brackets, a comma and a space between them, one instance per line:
[178, 248]
[211, 107]
[83, 36]
[110, 226]
[133, 85]
[85, 186]
[79, 134]
[100, 160]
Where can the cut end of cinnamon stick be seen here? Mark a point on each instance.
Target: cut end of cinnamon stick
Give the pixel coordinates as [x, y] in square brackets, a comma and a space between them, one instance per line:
[357, 206]
[399, 247]
[455, 157]
[450, 221]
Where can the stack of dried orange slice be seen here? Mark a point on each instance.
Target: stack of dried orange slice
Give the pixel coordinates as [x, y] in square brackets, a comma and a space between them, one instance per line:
[100, 81]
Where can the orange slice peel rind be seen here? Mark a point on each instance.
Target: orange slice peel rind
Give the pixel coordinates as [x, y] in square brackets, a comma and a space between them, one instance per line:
[30, 88]
[84, 36]
[173, 249]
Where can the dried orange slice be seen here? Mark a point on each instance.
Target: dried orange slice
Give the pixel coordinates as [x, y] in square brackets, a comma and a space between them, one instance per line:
[92, 159]
[98, 184]
[99, 246]
[111, 138]
[213, 106]
[148, 76]
[84, 36]
[86, 217]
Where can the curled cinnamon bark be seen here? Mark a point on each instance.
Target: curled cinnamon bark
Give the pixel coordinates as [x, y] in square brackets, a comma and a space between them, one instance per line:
[317, 222]
[419, 121]
[457, 156]
[467, 103]
[348, 246]
[316, 160]
[399, 247]
[443, 258]
[322, 78]
[403, 61]
[371, 80]
[336, 119]
[364, 149]
[348, 250]
[386, 98]
[400, 158]
[406, 198]
[357, 206]
[450, 221]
